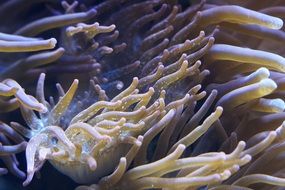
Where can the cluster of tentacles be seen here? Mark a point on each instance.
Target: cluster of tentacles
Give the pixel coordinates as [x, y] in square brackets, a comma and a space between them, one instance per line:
[180, 94]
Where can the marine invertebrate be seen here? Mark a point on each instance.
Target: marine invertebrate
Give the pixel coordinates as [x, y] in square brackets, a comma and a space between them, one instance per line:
[9, 88]
[123, 119]
[165, 129]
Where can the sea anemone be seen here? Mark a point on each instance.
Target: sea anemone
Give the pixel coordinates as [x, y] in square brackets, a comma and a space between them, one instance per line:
[163, 95]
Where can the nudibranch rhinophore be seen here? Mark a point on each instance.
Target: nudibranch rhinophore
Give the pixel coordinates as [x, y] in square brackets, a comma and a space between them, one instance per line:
[164, 94]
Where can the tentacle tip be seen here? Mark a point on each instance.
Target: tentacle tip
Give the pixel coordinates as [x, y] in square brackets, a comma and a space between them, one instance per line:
[214, 92]
[219, 109]
[28, 179]
[242, 144]
[263, 71]
[268, 83]
[42, 75]
[92, 12]
[52, 42]
[123, 160]
[181, 147]
[211, 40]
[140, 138]
[76, 81]
[43, 109]
[21, 174]
[247, 158]
[217, 177]
[277, 23]
[61, 50]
